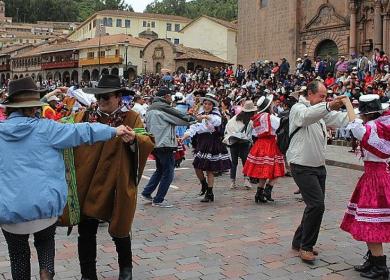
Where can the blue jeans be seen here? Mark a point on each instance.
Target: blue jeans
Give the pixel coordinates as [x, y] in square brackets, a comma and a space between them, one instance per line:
[165, 168]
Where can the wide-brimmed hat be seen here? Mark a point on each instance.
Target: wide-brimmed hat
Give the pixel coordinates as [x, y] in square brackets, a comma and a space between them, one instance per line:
[249, 106]
[210, 97]
[263, 103]
[23, 93]
[109, 84]
[370, 103]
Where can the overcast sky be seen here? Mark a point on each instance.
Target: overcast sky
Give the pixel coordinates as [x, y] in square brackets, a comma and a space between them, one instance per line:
[138, 5]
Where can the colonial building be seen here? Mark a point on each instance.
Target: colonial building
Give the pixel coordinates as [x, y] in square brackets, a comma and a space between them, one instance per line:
[220, 38]
[272, 29]
[5, 60]
[161, 54]
[150, 26]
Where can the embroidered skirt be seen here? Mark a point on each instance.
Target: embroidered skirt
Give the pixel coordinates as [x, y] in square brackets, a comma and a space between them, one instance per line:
[265, 161]
[367, 217]
[211, 154]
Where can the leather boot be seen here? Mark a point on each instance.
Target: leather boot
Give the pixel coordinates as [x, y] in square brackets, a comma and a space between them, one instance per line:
[366, 266]
[259, 197]
[268, 192]
[378, 269]
[45, 275]
[209, 196]
[204, 187]
[126, 273]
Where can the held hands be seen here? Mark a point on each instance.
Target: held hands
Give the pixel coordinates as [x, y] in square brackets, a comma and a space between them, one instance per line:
[338, 102]
[126, 132]
[202, 117]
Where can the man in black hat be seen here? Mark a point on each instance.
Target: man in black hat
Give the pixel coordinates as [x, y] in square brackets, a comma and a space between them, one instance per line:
[161, 120]
[107, 177]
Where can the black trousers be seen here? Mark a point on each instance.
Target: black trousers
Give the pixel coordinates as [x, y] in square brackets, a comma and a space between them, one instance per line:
[20, 254]
[238, 150]
[87, 249]
[311, 183]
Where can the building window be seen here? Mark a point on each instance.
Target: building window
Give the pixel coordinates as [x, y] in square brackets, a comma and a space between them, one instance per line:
[118, 22]
[153, 24]
[169, 27]
[144, 24]
[102, 53]
[263, 3]
[94, 23]
[117, 53]
[105, 21]
[109, 22]
[176, 41]
[90, 25]
[90, 55]
[177, 27]
[127, 23]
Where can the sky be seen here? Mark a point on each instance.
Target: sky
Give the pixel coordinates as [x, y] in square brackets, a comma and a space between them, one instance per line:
[138, 5]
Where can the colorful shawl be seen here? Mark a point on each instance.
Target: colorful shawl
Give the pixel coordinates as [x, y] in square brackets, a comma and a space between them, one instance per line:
[376, 140]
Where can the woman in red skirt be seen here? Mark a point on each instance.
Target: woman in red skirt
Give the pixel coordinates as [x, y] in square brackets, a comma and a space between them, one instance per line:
[368, 214]
[265, 161]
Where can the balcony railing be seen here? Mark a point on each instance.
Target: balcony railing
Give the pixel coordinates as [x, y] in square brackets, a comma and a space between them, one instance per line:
[5, 67]
[60, 64]
[111, 59]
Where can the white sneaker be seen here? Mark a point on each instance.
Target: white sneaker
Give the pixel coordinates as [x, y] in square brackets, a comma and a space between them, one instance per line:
[247, 183]
[233, 184]
[163, 204]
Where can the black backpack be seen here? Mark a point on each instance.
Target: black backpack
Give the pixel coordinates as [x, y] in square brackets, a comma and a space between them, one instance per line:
[283, 137]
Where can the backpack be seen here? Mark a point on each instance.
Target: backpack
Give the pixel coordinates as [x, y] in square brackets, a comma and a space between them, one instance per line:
[283, 137]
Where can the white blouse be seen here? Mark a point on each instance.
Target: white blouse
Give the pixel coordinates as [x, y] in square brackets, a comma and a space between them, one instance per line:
[358, 130]
[206, 126]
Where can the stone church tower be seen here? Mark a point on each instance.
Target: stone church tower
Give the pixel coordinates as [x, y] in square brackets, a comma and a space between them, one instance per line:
[272, 29]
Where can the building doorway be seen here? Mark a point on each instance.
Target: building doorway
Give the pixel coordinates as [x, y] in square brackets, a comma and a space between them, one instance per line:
[327, 48]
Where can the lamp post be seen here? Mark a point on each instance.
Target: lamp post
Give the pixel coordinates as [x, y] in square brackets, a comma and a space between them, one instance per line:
[126, 74]
[100, 35]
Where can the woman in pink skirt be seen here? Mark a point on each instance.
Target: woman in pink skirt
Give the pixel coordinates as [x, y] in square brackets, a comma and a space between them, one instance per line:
[368, 214]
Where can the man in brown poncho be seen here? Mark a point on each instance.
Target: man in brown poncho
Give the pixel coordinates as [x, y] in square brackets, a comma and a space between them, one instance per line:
[107, 178]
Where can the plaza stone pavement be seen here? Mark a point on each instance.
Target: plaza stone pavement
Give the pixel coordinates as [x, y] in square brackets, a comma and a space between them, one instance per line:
[232, 238]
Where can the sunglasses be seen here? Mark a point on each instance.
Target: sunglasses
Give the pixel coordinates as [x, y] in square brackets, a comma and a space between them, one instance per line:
[105, 97]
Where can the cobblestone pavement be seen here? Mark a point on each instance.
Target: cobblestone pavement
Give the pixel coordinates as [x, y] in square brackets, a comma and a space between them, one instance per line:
[232, 238]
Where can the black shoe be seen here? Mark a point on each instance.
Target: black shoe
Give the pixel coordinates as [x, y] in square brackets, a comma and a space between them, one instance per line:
[378, 269]
[268, 192]
[209, 196]
[126, 273]
[259, 197]
[288, 174]
[204, 187]
[366, 266]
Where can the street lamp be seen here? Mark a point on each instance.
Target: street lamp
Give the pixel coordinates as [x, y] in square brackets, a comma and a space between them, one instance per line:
[100, 35]
[126, 74]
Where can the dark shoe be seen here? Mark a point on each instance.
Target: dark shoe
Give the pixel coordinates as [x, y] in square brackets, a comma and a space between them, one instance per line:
[288, 174]
[378, 269]
[268, 192]
[45, 275]
[204, 187]
[315, 252]
[307, 256]
[209, 196]
[366, 266]
[126, 273]
[259, 197]
[297, 191]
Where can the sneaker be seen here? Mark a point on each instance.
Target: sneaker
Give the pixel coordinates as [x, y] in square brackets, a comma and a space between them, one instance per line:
[148, 198]
[233, 184]
[163, 204]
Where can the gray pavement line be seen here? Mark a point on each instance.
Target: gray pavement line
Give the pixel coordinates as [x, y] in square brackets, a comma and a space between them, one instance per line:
[171, 186]
[344, 165]
[176, 169]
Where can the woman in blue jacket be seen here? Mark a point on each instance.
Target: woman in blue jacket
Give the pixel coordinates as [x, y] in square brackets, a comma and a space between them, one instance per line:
[32, 175]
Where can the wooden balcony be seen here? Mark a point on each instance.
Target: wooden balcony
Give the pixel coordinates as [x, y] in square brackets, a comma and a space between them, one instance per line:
[5, 67]
[111, 59]
[60, 64]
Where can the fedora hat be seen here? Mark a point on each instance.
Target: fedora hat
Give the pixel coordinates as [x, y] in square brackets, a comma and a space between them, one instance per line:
[370, 103]
[109, 84]
[263, 103]
[249, 106]
[210, 97]
[23, 93]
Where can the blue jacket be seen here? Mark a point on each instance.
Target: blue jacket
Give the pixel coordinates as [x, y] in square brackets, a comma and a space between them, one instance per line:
[32, 171]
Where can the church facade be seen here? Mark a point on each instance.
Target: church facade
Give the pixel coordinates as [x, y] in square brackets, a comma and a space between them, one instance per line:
[273, 29]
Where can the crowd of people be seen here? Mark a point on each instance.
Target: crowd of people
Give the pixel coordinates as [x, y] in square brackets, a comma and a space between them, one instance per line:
[276, 119]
